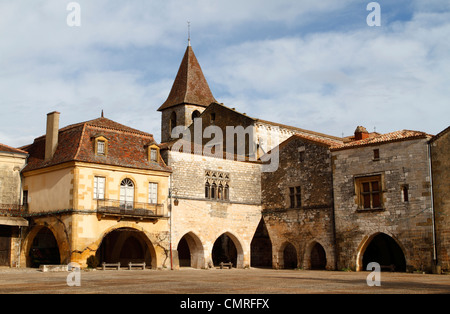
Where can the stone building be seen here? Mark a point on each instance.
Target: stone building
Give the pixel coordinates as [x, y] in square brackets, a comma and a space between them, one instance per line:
[382, 200]
[12, 161]
[440, 152]
[217, 166]
[218, 200]
[297, 202]
[95, 188]
[224, 187]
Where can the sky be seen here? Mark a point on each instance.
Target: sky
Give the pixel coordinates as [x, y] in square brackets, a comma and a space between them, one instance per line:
[316, 65]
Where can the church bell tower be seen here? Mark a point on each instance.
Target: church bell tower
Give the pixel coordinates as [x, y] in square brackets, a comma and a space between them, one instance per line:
[189, 97]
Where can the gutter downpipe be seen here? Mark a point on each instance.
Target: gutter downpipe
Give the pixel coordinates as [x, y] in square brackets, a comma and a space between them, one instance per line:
[170, 221]
[432, 206]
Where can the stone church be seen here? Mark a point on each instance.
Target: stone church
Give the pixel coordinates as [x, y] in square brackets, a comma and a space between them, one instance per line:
[224, 188]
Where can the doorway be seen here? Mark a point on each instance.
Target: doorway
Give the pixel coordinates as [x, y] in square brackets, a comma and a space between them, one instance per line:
[385, 251]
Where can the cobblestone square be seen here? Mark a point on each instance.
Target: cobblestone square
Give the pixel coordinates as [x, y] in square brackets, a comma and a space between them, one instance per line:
[235, 281]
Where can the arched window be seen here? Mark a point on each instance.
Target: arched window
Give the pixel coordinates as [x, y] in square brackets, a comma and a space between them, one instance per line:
[220, 192]
[126, 194]
[195, 115]
[226, 192]
[207, 190]
[213, 191]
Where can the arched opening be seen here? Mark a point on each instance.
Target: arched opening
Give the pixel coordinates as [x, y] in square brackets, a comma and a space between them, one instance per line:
[195, 115]
[318, 257]
[385, 251]
[44, 249]
[190, 251]
[261, 247]
[225, 250]
[290, 257]
[126, 245]
[184, 253]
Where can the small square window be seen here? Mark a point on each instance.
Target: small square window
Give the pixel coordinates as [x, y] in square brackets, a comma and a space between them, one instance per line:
[369, 192]
[405, 193]
[376, 154]
[295, 197]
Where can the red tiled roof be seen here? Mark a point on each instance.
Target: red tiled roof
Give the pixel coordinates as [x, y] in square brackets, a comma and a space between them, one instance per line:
[126, 146]
[396, 136]
[190, 85]
[9, 149]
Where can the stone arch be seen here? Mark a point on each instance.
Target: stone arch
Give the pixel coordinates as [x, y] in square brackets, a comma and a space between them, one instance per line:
[383, 249]
[126, 244]
[287, 256]
[190, 251]
[261, 247]
[228, 248]
[30, 244]
[316, 256]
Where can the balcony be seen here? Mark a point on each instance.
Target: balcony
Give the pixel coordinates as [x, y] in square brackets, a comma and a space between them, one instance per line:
[121, 210]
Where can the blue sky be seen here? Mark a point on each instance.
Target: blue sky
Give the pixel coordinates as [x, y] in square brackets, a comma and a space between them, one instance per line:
[311, 64]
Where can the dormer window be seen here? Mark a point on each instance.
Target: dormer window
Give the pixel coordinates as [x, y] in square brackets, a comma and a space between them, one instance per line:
[101, 146]
[153, 153]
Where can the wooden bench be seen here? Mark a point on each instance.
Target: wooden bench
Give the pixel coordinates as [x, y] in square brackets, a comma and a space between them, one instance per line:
[140, 265]
[390, 268]
[111, 265]
[229, 265]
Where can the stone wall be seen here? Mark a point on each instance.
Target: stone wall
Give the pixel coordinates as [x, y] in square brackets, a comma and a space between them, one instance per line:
[408, 222]
[440, 152]
[307, 165]
[204, 220]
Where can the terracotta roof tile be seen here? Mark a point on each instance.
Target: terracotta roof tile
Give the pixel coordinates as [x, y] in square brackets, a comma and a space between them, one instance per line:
[126, 146]
[396, 136]
[9, 149]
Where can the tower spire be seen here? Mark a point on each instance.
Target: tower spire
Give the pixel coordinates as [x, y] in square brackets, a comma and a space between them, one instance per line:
[190, 85]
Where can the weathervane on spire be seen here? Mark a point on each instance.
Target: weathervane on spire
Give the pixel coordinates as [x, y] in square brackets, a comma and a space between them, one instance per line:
[189, 33]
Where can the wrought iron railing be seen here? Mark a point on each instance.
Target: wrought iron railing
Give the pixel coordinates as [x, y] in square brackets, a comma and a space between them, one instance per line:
[117, 207]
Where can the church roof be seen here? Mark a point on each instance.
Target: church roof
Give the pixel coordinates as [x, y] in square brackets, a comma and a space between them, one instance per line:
[190, 85]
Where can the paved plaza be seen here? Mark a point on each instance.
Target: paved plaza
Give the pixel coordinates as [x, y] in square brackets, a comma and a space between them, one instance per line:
[234, 281]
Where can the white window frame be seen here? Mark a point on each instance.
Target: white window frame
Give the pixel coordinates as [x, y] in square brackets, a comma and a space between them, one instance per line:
[153, 193]
[101, 147]
[99, 188]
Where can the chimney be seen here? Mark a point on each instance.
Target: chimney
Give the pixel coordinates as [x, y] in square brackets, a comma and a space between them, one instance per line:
[361, 133]
[51, 137]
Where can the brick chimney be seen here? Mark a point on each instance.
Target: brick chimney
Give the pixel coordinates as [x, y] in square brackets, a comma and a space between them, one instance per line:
[51, 137]
[361, 133]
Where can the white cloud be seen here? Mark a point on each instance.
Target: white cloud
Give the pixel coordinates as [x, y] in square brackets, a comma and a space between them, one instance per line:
[391, 78]
[397, 74]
